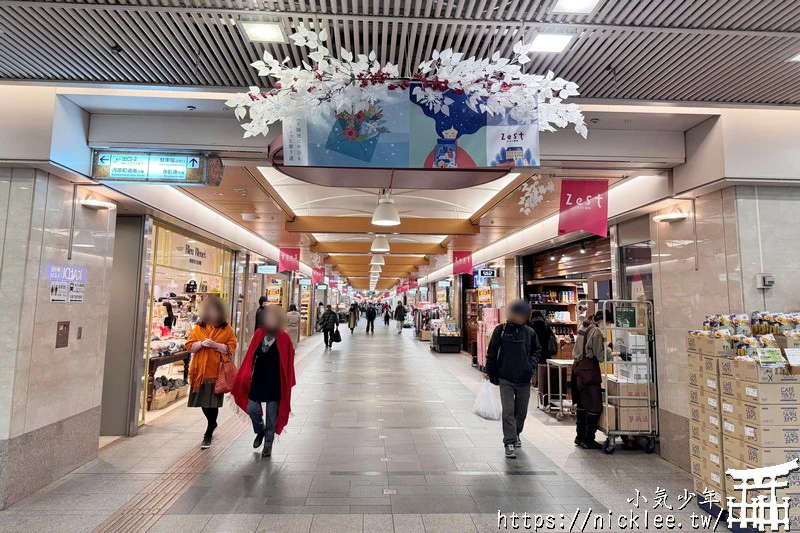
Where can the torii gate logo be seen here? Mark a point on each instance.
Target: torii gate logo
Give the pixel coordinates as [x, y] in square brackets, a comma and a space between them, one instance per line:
[762, 511]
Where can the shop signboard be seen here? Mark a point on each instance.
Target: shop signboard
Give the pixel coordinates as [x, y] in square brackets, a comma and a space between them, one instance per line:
[443, 283]
[67, 283]
[462, 262]
[486, 272]
[304, 282]
[625, 316]
[484, 295]
[266, 269]
[448, 134]
[317, 275]
[322, 287]
[156, 168]
[583, 207]
[289, 260]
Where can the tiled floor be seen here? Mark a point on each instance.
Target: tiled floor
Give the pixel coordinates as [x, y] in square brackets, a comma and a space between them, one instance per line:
[382, 439]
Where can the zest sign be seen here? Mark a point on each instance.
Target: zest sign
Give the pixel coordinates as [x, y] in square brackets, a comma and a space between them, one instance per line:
[289, 259]
[584, 207]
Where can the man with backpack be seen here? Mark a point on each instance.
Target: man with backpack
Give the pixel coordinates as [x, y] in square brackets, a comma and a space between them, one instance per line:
[511, 359]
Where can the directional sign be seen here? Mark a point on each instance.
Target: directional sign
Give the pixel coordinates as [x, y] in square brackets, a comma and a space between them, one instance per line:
[157, 168]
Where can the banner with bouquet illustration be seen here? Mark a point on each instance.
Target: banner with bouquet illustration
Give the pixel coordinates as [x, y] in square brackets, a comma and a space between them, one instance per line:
[413, 128]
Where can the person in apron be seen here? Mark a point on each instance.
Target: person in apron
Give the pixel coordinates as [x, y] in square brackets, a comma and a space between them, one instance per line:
[586, 382]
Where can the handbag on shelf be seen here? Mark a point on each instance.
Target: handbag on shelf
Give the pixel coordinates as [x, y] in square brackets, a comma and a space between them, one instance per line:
[227, 373]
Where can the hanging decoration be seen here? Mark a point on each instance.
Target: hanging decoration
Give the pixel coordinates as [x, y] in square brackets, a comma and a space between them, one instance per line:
[533, 192]
[583, 207]
[352, 87]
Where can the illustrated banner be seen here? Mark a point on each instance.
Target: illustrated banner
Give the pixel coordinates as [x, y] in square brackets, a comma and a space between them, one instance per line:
[289, 259]
[317, 275]
[584, 207]
[462, 262]
[447, 134]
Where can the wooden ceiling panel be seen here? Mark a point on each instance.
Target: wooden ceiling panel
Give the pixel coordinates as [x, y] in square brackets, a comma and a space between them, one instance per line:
[331, 247]
[389, 260]
[407, 226]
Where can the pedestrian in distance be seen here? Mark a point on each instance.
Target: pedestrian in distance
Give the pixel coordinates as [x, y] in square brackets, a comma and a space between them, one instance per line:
[352, 318]
[328, 323]
[293, 321]
[387, 316]
[512, 356]
[547, 340]
[210, 340]
[266, 378]
[400, 317]
[586, 382]
[371, 315]
[262, 303]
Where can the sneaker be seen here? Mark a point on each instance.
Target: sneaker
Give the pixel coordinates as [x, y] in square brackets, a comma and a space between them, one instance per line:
[518, 443]
[267, 451]
[259, 440]
[591, 445]
[511, 453]
[206, 443]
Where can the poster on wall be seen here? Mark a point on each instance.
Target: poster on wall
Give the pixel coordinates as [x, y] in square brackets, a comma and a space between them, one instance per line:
[67, 283]
[289, 259]
[274, 293]
[462, 262]
[583, 207]
[441, 296]
[448, 133]
[484, 295]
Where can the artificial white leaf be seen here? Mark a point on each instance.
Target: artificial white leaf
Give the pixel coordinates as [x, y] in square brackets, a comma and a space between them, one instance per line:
[323, 35]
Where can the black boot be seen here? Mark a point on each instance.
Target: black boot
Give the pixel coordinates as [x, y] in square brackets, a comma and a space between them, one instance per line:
[580, 426]
[588, 442]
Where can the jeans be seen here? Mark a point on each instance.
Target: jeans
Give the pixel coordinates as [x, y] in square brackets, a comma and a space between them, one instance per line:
[514, 398]
[370, 325]
[262, 424]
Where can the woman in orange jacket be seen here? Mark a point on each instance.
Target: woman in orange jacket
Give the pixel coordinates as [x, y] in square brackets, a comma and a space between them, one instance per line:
[210, 340]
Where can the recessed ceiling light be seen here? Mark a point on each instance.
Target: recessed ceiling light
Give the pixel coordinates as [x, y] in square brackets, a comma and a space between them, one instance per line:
[676, 216]
[550, 43]
[575, 6]
[796, 58]
[264, 32]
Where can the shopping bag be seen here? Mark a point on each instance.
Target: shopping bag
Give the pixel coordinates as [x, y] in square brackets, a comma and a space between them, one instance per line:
[486, 403]
[336, 336]
[227, 373]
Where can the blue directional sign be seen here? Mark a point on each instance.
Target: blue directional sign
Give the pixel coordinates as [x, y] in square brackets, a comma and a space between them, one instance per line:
[157, 168]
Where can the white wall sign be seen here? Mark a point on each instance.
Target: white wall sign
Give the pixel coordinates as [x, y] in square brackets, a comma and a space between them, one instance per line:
[67, 283]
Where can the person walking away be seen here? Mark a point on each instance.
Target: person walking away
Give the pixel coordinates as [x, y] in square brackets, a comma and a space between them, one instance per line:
[210, 340]
[387, 316]
[511, 358]
[352, 318]
[371, 314]
[262, 303]
[586, 381]
[328, 323]
[547, 340]
[267, 377]
[400, 317]
[293, 320]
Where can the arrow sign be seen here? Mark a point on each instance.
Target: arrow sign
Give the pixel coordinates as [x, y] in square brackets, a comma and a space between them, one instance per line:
[194, 162]
[104, 159]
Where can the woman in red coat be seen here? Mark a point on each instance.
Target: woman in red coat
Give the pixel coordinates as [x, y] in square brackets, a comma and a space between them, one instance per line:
[267, 377]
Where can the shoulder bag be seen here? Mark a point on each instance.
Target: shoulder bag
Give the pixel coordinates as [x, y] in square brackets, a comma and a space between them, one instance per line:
[227, 373]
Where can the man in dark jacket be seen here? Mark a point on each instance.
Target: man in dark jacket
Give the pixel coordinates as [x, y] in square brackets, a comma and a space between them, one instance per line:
[512, 356]
[400, 316]
[262, 303]
[329, 322]
[371, 314]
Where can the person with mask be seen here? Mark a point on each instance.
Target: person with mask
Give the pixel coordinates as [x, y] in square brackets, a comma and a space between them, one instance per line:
[511, 359]
[266, 377]
[586, 382]
[329, 322]
[371, 314]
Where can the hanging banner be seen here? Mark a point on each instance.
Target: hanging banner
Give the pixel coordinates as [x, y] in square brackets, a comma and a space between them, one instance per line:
[289, 259]
[333, 283]
[584, 207]
[317, 275]
[413, 284]
[462, 262]
[447, 134]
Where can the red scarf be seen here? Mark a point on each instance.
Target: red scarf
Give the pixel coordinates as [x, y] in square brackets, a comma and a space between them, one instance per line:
[241, 385]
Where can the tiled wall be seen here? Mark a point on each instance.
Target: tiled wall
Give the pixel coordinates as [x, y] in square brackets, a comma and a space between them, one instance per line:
[44, 390]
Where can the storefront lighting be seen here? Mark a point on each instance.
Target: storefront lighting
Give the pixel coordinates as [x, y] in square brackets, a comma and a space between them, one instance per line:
[92, 202]
[264, 32]
[380, 245]
[669, 218]
[386, 213]
[575, 6]
[550, 43]
[377, 260]
[552, 258]
[583, 248]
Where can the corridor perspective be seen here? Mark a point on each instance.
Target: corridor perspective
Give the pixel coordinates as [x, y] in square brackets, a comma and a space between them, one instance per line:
[382, 439]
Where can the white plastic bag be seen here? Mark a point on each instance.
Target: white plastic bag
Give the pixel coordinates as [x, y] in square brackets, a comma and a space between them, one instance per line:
[486, 403]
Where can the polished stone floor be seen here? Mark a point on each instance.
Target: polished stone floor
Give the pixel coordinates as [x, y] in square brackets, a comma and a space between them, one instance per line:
[382, 439]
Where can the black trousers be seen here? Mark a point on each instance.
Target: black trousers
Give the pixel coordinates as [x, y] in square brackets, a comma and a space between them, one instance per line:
[328, 334]
[371, 325]
[211, 416]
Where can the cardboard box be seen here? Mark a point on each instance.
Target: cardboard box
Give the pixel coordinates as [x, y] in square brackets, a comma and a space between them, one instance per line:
[709, 382]
[767, 414]
[636, 418]
[608, 417]
[696, 465]
[711, 419]
[711, 438]
[758, 435]
[729, 387]
[695, 430]
[713, 466]
[695, 448]
[636, 392]
[758, 456]
[694, 377]
[770, 393]
[708, 346]
[694, 361]
[787, 342]
[729, 406]
[725, 367]
[710, 401]
[754, 372]
[694, 395]
[700, 486]
[696, 413]
[425, 335]
[710, 366]
[631, 371]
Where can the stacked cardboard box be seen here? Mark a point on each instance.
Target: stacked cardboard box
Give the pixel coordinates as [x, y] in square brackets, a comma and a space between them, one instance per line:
[632, 378]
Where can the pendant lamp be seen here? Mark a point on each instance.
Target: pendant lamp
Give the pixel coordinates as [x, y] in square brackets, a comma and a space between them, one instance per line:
[380, 245]
[386, 213]
[377, 260]
[375, 268]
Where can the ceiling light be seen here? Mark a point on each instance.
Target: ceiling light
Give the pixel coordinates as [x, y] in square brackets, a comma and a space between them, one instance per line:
[669, 218]
[575, 6]
[377, 260]
[583, 248]
[380, 245]
[264, 32]
[795, 58]
[550, 43]
[250, 217]
[375, 268]
[91, 202]
[552, 258]
[386, 213]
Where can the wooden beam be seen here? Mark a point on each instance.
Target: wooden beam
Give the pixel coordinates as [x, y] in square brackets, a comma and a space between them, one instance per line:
[408, 226]
[396, 272]
[348, 247]
[346, 260]
[499, 197]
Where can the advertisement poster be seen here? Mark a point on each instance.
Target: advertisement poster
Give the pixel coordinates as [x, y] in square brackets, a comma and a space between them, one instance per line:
[289, 259]
[583, 207]
[462, 262]
[274, 294]
[484, 295]
[447, 134]
[441, 296]
[67, 283]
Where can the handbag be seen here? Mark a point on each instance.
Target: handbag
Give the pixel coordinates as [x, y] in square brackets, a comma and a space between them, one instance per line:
[336, 336]
[227, 373]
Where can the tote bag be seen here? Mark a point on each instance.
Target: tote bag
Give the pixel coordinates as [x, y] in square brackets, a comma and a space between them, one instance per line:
[227, 373]
[336, 336]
